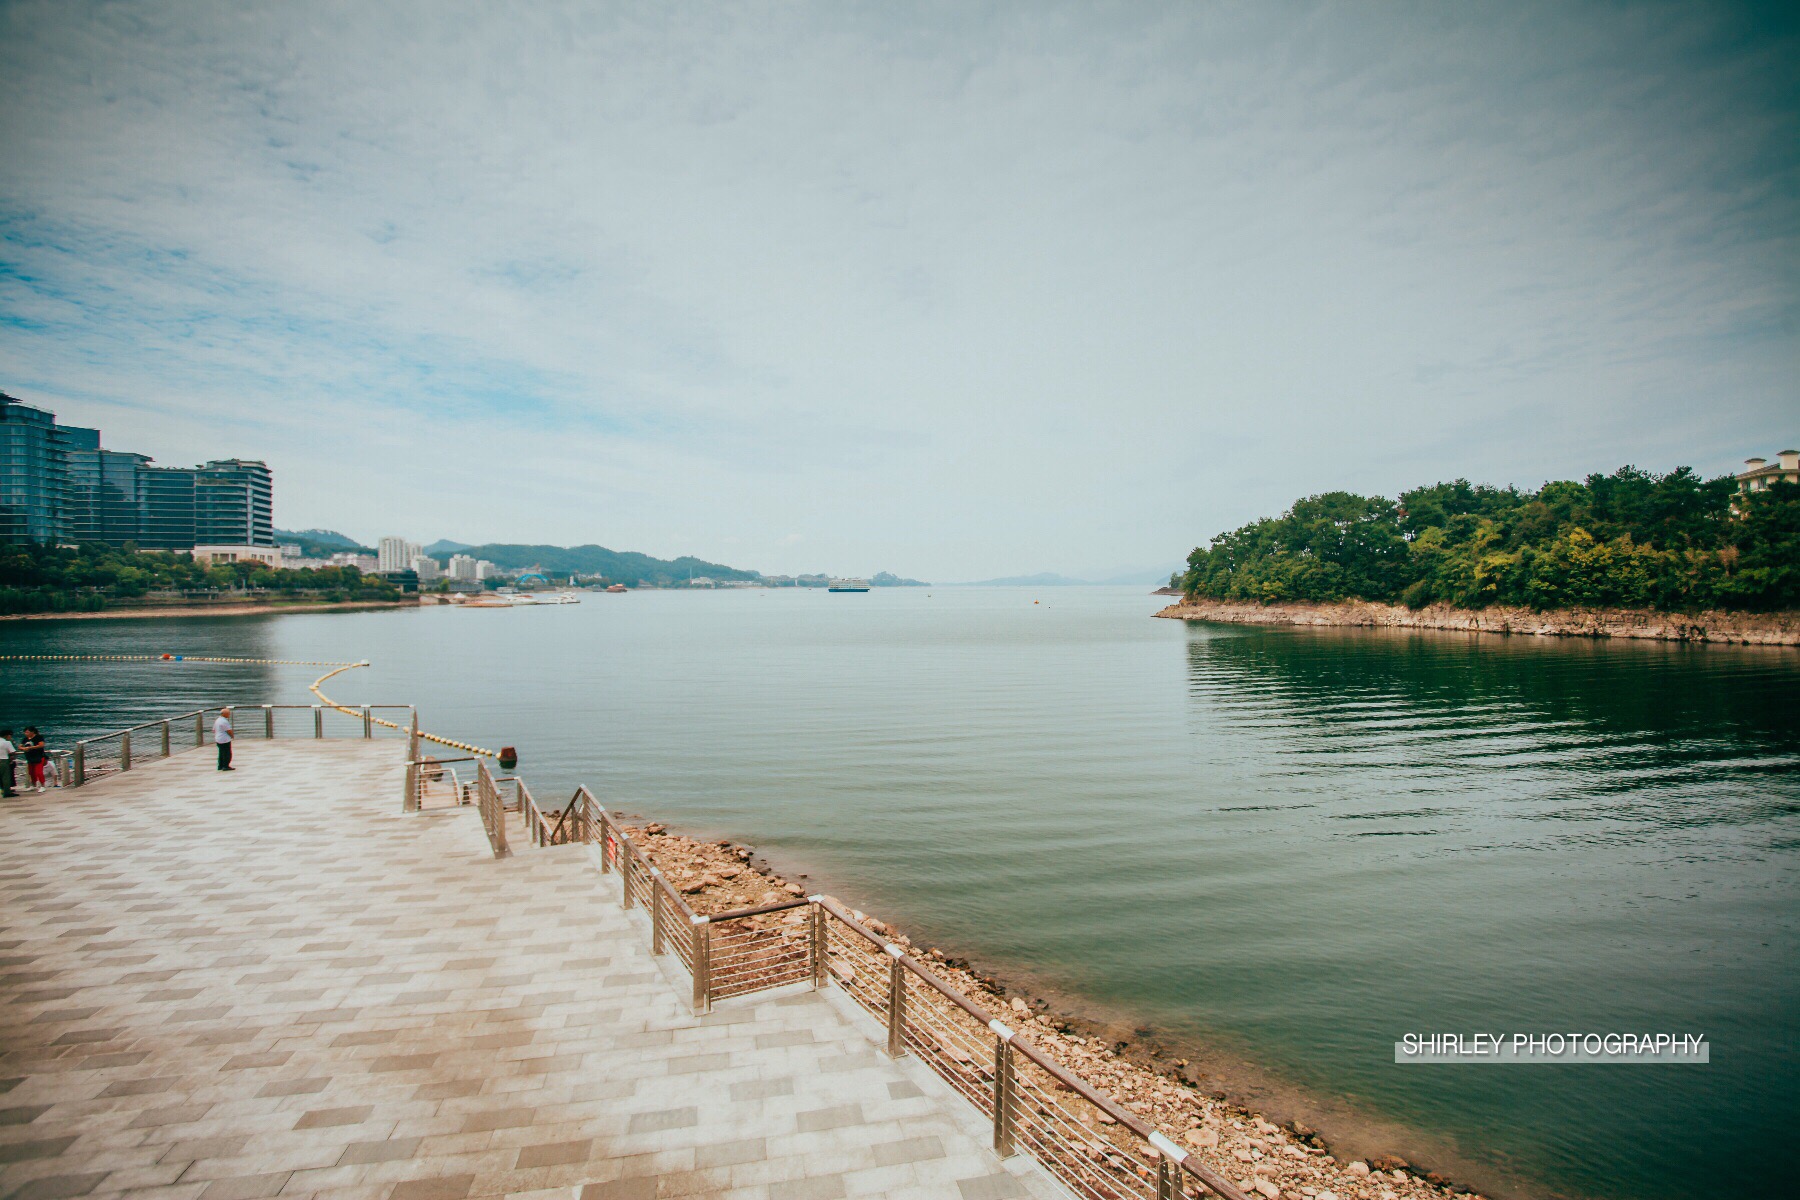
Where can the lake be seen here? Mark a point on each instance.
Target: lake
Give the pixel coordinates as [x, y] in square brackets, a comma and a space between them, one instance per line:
[1280, 850]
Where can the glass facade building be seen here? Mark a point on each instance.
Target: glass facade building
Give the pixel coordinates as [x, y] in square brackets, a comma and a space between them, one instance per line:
[58, 484]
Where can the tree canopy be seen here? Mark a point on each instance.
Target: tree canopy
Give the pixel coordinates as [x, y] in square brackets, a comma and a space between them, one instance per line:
[1632, 539]
[37, 577]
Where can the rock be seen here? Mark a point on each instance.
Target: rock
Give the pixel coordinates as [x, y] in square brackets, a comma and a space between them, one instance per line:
[1397, 1176]
[794, 889]
[1019, 1005]
[847, 973]
[692, 886]
[1268, 1189]
[655, 827]
[1388, 1162]
[1327, 1194]
[744, 852]
[1264, 1127]
[1358, 1169]
[1202, 1138]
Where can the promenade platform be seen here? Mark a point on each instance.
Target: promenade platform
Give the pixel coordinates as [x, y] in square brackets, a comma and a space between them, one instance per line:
[272, 983]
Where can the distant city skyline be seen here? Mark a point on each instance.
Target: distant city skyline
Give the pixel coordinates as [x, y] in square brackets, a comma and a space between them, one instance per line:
[957, 293]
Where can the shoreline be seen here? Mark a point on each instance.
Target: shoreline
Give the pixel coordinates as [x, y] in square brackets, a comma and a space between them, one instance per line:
[211, 610]
[1714, 627]
[1248, 1125]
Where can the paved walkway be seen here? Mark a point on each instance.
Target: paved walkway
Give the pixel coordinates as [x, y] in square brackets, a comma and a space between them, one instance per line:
[271, 983]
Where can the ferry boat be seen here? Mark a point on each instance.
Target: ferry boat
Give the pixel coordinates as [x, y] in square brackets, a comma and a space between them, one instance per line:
[617, 587]
[848, 585]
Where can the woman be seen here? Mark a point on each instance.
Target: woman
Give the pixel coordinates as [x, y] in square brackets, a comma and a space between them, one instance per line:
[35, 755]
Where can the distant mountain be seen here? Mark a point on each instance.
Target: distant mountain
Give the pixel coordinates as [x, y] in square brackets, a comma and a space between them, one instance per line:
[446, 546]
[319, 543]
[1132, 577]
[615, 566]
[1041, 579]
[883, 579]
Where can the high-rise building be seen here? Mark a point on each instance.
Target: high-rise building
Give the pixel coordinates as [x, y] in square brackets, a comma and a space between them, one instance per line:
[462, 568]
[426, 567]
[32, 472]
[57, 483]
[395, 554]
[233, 503]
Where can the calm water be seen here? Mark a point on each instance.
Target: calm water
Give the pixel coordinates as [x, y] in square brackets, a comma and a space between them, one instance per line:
[1280, 846]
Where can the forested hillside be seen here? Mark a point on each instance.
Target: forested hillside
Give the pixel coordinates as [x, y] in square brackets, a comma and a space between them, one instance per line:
[1673, 542]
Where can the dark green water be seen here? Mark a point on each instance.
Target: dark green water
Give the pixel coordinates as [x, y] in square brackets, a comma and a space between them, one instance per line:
[1287, 847]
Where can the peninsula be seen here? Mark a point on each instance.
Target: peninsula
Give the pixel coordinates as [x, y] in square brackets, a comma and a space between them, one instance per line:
[1631, 554]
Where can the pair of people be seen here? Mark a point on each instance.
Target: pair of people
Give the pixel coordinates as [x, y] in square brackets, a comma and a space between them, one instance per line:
[37, 759]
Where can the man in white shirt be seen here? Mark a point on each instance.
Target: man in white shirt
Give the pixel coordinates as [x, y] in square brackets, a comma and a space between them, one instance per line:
[7, 750]
[222, 735]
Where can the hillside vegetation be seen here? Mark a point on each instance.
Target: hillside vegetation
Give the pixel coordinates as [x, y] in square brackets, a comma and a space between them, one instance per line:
[1674, 542]
[88, 578]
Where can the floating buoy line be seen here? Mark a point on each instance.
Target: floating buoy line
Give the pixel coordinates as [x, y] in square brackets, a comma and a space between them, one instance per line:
[338, 668]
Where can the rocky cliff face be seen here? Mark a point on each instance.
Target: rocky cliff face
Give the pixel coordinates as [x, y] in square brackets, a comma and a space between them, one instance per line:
[1749, 629]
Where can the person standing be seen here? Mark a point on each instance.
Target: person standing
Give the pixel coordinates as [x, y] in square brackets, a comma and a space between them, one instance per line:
[35, 754]
[7, 750]
[222, 735]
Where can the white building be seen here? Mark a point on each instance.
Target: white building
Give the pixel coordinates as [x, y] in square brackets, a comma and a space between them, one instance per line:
[427, 568]
[366, 563]
[269, 556]
[485, 570]
[1759, 473]
[462, 568]
[396, 554]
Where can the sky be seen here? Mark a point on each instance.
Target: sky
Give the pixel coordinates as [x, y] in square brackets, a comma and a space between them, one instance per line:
[951, 290]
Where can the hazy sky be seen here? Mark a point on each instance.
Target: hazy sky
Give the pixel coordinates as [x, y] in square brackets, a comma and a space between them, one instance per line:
[951, 290]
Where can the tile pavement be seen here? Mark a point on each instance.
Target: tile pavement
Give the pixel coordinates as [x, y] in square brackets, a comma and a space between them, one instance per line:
[271, 983]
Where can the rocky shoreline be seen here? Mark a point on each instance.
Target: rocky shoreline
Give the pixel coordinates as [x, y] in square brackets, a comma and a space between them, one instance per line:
[1730, 628]
[1278, 1161]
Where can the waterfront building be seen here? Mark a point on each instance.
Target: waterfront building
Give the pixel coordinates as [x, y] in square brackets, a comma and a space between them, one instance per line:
[368, 564]
[426, 567]
[233, 503]
[395, 554]
[1758, 473]
[462, 568]
[32, 472]
[485, 570]
[267, 555]
[58, 483]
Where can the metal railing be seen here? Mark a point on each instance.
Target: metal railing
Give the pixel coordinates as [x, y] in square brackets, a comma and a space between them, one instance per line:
[114, 752]
[1092, 1144]
[493, 809]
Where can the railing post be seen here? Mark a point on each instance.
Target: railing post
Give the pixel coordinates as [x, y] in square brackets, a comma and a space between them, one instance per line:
[368, 724]
[318, 720]
[624, 874]
[200, 728]
[656, 912]
[1003, 1092]
[125, 751]
[815, 947]
[702, 965]
[78, 768]
[165, 732]
[1165, 1179]
[413, 801]
[268, 720]
[896, 1003]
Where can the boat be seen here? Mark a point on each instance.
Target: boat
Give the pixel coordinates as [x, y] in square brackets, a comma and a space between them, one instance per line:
[528, 598]
[848, 585]
[617, 587]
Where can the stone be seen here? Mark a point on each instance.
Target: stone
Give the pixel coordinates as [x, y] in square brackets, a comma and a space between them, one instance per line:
[1202, 1138]
[1019, 1005]
[1359, 1169]
[1327, 1194]
[794, 889]
[1268, 1189]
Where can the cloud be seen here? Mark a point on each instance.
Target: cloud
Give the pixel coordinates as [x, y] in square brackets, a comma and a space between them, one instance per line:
[961, 291]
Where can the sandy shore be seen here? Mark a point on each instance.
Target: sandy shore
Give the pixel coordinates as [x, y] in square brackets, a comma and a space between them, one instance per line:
[1734, 628]
[1263, 1154]
[208, 610]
